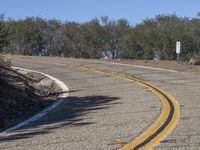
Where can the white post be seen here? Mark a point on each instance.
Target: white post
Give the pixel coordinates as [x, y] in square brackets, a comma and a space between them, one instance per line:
[178, 50]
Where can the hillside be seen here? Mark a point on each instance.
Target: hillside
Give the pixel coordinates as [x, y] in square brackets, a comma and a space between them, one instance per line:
[21, 95]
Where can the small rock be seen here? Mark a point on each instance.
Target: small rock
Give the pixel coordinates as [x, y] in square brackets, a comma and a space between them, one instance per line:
[194, 61]
[45, 82]
[22, 72]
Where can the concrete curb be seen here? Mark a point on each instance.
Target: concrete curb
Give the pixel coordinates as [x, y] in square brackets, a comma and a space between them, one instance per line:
[46, 110]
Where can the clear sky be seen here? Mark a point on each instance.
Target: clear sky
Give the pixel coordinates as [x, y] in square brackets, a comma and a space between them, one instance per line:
[84, 10]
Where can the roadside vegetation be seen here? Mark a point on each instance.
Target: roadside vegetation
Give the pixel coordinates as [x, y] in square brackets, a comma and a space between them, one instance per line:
[153, 38]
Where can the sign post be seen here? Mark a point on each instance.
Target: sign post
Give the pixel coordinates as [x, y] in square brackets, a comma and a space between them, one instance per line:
[178, 50]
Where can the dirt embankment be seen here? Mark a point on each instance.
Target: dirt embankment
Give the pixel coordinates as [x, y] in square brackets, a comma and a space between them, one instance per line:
[22, 94]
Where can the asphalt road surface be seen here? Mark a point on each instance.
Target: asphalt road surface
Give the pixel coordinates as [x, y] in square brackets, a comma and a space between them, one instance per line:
[104, 112]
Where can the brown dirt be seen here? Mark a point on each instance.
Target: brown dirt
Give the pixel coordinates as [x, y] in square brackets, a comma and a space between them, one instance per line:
[20, 98]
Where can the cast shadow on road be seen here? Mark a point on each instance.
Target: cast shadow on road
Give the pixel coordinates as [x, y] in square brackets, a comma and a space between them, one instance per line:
[71, 113]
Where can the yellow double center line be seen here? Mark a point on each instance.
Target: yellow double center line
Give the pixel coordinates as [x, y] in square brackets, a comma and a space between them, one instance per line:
[164, 124]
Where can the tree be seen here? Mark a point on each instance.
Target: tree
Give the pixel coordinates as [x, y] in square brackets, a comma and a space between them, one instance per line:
[3, 34]
[152, 38]
[92, 37]
[110, 37]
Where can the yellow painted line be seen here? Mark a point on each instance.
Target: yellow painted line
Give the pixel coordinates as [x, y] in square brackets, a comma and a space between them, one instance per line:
[157, 131]
[161, 119]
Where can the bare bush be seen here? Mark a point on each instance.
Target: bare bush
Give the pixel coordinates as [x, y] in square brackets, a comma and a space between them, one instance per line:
[5, 62]
[195, 60]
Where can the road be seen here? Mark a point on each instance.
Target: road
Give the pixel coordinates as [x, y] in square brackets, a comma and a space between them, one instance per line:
[105, 111]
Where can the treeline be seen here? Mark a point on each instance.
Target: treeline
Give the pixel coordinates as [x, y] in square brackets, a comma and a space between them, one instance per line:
[151, 39]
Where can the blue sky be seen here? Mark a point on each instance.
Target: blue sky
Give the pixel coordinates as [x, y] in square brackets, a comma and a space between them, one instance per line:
[84, 10]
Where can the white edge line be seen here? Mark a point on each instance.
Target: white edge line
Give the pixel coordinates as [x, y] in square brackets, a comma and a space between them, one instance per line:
[146, 67]
[122, 64]
[39, 115]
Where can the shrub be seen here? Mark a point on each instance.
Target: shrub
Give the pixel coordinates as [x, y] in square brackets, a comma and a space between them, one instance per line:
[5, 63]
[195, 60]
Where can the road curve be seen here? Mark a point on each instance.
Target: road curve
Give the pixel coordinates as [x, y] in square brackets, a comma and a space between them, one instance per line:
[162, 126]
[127, 125]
